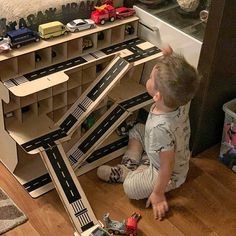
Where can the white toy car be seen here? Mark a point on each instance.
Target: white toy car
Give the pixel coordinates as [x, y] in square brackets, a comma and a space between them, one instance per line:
[80, 24]
[4, 44]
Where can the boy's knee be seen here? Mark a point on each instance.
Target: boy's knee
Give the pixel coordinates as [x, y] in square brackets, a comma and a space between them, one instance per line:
[128, 189]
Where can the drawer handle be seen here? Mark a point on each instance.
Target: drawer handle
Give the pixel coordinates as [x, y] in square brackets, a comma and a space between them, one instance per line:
[152, 28]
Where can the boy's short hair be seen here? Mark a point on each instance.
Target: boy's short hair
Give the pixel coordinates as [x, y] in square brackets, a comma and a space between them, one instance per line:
[176, 80]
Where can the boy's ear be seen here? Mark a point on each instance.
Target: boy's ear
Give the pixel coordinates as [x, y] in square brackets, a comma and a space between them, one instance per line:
[157, 97]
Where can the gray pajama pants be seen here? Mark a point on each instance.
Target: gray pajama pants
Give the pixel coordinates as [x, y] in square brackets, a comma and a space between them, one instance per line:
[139, 183]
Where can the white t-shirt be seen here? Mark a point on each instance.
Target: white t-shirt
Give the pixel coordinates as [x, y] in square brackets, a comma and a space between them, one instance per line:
[165, 132]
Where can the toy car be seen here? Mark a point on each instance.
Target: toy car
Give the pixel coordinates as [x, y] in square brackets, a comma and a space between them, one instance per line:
[123, 12]
[37, 58]
[80, 24]
[131, 224]
[127, 227]
[52, 29]
[4, 44]
[124, 127]
[114, 226]
[22, 36]
[103, 13]
[87, 43]
[129, 29]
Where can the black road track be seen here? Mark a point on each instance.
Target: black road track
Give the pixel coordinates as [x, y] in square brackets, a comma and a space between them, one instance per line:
[130, 45]
[105, 125]
[69, 188]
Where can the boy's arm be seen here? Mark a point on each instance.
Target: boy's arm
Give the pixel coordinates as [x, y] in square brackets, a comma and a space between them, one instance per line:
[157, 198]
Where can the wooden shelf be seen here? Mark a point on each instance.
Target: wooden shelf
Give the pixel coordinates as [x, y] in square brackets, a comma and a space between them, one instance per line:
[62, 39]
[8, 69]
[74, 48]
[45, 106]
[26, 63]
[57, 114]
[104, 38]
[88, 74]
[12, 105]
[59, 101]
[60, 88]
[46, 93]
[59, 53]
[45, 58]
[27, 100]
[73, 95]
[75, 79]
[28, 130]
[117, 35]
[29, 112]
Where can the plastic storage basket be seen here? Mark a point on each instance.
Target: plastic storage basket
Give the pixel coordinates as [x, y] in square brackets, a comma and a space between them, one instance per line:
[228, 144]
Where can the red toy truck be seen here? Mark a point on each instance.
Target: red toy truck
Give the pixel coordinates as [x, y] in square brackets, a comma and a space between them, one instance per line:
[131, 224]
[103, 13]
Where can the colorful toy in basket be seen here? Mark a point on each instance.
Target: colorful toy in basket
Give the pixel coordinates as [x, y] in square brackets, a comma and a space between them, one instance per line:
[80, 25]
[229, 159]
[228, 146]
[230, 134]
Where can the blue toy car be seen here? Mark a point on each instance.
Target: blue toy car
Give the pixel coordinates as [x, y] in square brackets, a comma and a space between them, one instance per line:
[22, 36]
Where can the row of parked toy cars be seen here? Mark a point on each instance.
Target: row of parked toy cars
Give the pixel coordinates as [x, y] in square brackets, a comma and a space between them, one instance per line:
[22, 36]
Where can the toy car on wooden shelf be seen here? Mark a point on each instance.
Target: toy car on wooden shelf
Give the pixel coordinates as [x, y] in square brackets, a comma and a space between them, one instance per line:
[103, 13]
[87, 43]
[80, 24]
[129, 30]
[4, 44]
[123, 12]
[22, 36]
[52, 29]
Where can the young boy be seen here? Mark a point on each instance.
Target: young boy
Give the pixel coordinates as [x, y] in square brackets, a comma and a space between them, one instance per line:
[165, 137]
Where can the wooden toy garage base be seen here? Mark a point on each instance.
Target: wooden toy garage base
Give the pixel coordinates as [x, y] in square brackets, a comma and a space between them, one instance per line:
[45, 105]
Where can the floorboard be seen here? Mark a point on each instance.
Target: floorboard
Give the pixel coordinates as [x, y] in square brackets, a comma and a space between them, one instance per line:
[204, 205]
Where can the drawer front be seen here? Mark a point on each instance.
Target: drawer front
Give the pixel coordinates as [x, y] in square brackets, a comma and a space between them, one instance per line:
[161, 33]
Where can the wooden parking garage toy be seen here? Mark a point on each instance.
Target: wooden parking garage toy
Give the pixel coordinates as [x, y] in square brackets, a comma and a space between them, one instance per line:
[44, 104]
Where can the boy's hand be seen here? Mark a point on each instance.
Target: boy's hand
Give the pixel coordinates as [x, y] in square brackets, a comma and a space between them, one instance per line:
[167, 50]
[159, 205]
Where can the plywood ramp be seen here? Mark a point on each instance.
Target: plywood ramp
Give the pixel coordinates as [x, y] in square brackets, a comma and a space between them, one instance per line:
[94, 94]
[68, 188]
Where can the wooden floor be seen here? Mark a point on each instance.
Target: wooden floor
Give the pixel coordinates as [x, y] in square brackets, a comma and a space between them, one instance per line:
[204, 205]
